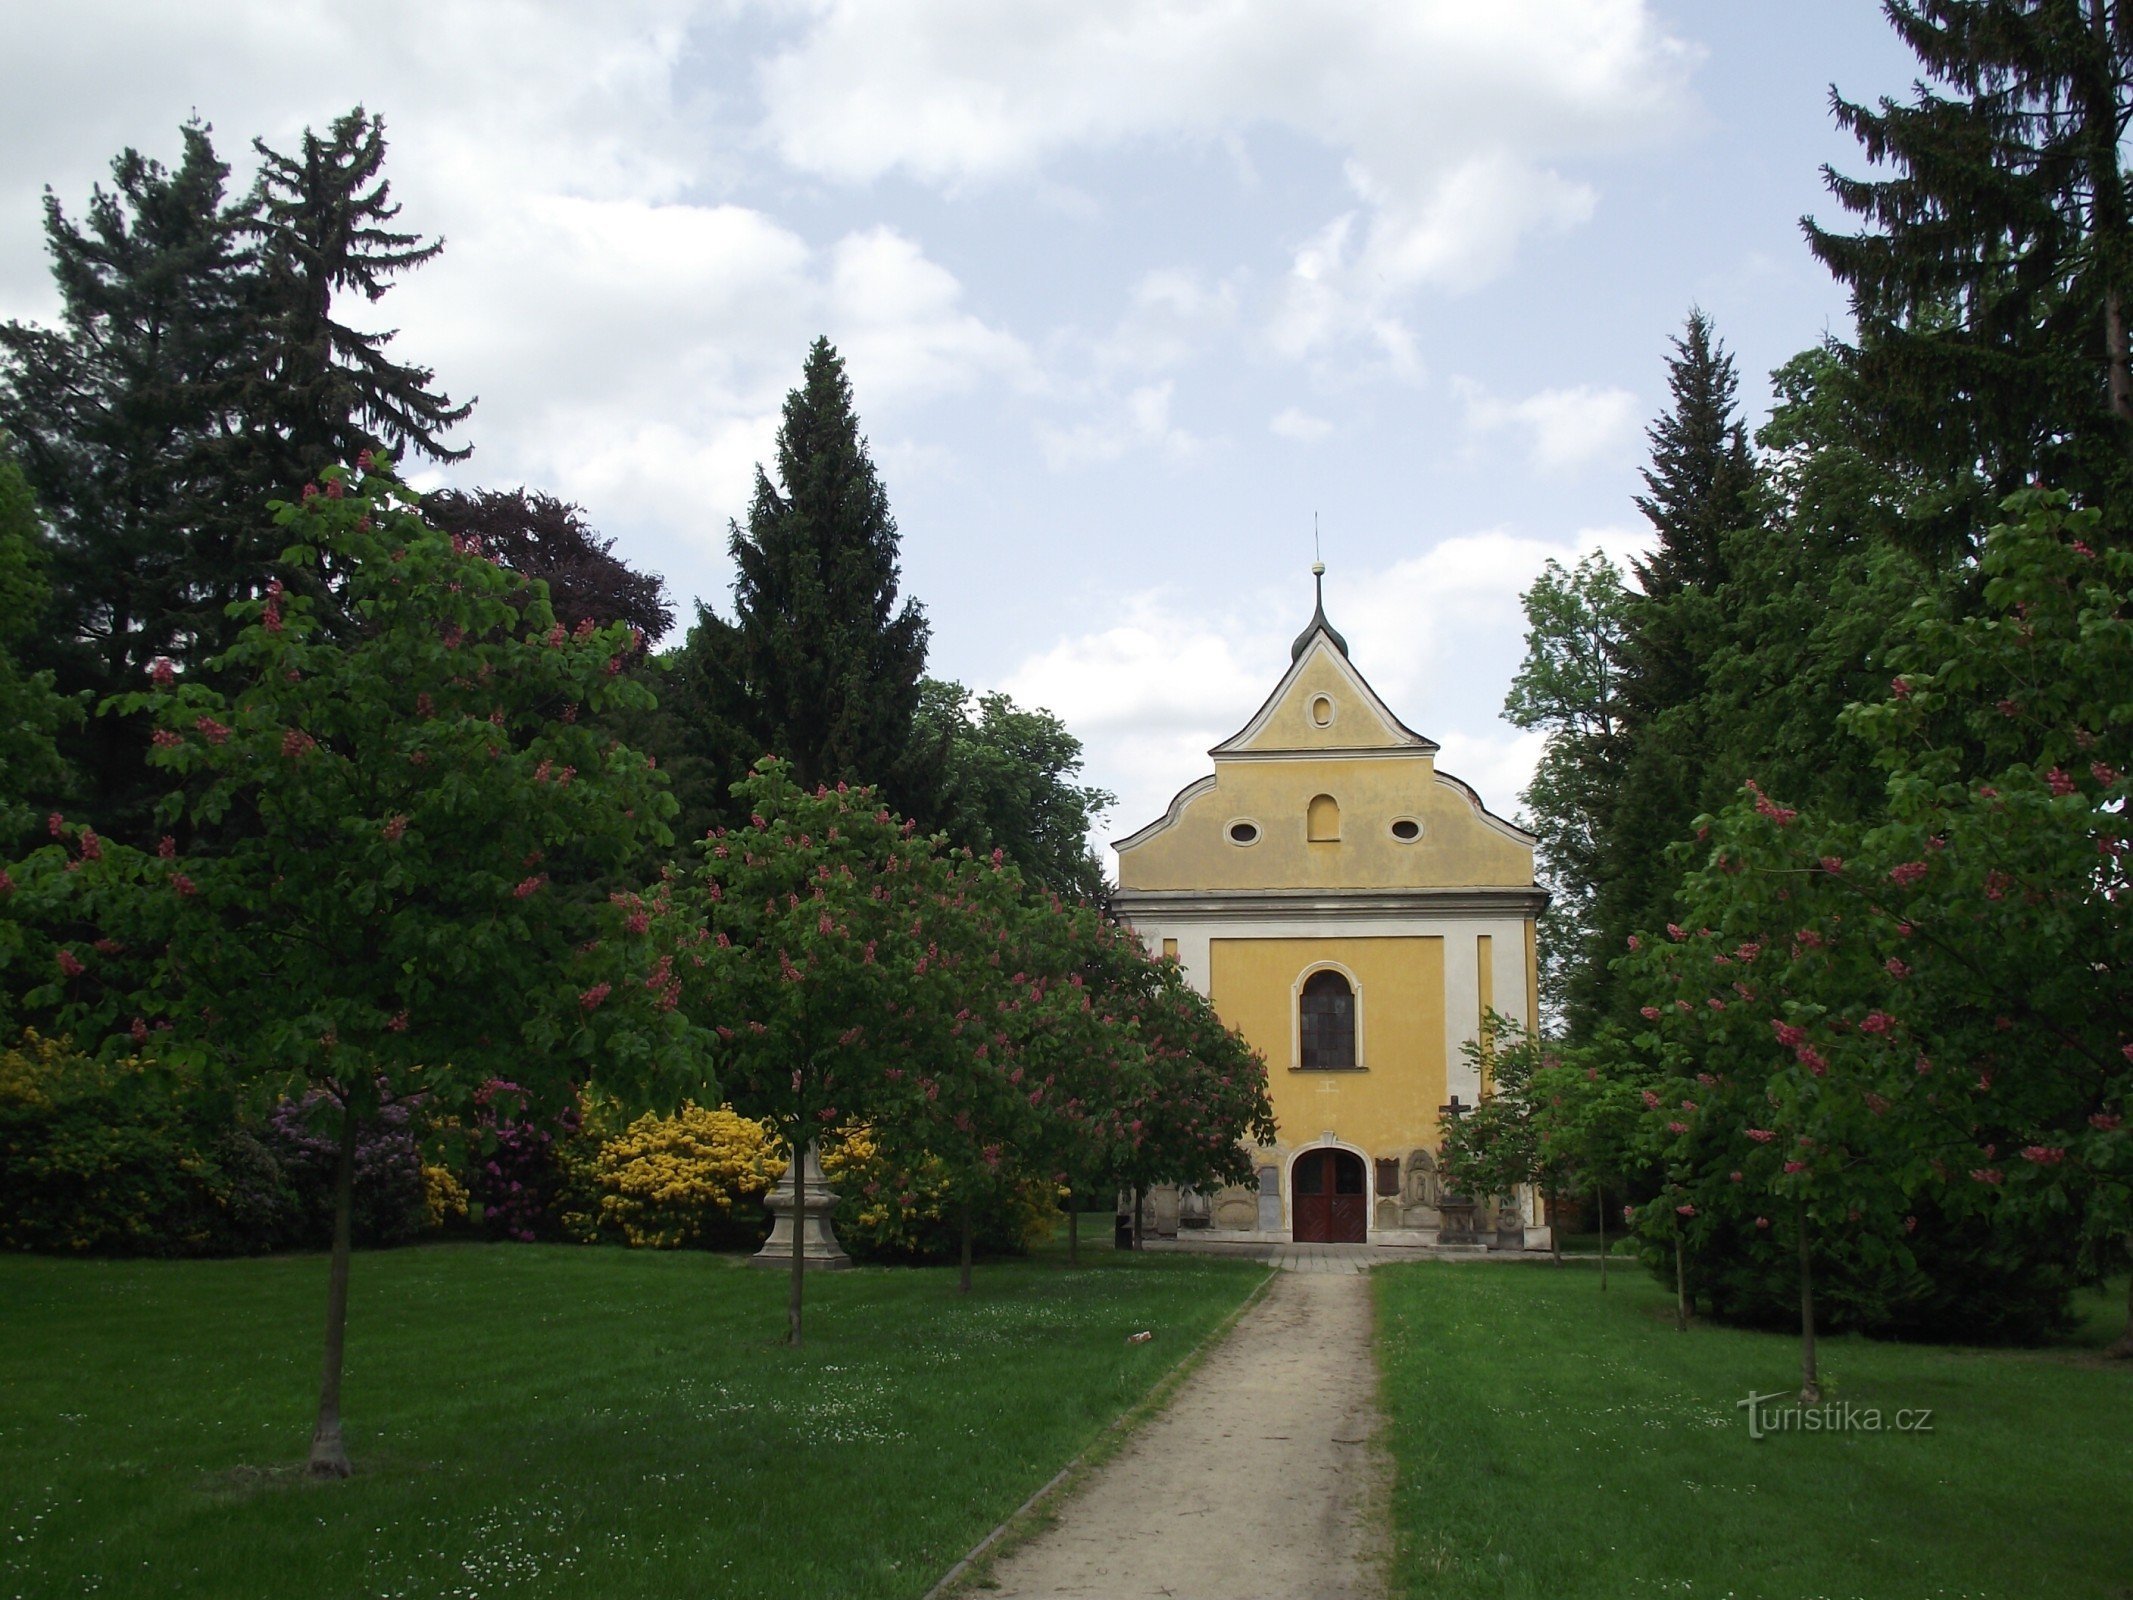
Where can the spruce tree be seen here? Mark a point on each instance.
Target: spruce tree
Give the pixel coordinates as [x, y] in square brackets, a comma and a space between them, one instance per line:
[123, 416]
[1990, 285]
[1701, 491]
[324, 392]
[1700, 487]
[821, 665]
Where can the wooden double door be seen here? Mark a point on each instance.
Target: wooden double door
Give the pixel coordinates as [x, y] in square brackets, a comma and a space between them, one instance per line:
[1330, 1195]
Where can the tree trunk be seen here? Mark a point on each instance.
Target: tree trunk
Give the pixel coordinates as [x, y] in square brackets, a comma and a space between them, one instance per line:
[797, 1287]
[1136, 1216]
[1600, 1200]
[2122, 1348]
[1810, 1379]
[2109, 224]
[1073, 1228]
[329, 1454]
[1555, 1233]
[1681, 1289]
[2115, 350]
[962, 1282]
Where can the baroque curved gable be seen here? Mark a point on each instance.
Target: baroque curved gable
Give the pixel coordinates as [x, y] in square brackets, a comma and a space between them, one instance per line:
[1325, 735]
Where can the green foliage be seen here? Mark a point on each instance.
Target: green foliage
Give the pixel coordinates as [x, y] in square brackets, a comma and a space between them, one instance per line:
[109, 1157]
[31, 711]
[1702, 488]
[1569, 688]
[323, 220]
[1007, 783]
[987, 1039]
[1548, 1117]
[124, 419]
[125, 1156]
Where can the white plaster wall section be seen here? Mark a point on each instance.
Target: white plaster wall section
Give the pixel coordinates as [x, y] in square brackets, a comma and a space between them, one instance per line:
[1462, 1013]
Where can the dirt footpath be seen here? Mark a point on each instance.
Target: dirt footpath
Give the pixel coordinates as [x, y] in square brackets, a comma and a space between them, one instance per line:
[1266, 1475]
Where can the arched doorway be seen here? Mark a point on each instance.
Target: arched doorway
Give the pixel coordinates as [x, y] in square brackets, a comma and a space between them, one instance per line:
[1331, 1198]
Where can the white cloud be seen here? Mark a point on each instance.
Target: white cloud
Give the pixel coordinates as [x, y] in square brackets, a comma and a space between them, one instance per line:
[1140, 420]
[629, 332]
[1293, 423]
[1174, 313]
[1455, 122]
[1564, 428]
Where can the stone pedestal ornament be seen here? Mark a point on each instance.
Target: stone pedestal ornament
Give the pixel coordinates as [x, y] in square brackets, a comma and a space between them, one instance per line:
[819, 1249]
[1510, 1225]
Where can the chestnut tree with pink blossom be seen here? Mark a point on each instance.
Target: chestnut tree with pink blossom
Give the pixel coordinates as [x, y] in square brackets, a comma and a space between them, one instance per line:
[1925, 1019]
[804, 941]
[388, 852]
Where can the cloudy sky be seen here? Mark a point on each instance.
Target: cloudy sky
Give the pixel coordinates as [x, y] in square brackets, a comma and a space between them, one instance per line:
[1131, 291]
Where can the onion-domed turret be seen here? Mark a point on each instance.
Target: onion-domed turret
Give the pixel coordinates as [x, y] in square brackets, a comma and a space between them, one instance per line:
[1318, 623]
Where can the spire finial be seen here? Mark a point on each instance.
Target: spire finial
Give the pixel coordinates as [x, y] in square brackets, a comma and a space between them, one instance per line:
[1318, 607]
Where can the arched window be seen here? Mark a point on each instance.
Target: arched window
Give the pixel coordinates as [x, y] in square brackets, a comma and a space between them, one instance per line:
[1327, 1021]
[1324, 820]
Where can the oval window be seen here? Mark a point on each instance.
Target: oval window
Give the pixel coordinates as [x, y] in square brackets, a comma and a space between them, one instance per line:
[1243, 833]
[1407, 830]
[1322, 712]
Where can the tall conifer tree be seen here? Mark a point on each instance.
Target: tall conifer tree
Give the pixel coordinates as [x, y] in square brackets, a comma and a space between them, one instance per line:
[123, 416]
[198, 372]
[1701, 491]
[822, 665]
[1992, 282]
[326, 391]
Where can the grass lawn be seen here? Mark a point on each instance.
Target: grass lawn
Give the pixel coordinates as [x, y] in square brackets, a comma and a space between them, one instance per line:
[1552, 1441]
[533, 1420]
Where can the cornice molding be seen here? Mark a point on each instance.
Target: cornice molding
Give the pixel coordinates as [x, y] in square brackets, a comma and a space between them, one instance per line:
[1241, 905]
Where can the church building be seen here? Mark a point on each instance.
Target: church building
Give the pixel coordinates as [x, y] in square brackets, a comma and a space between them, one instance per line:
[1354, 913]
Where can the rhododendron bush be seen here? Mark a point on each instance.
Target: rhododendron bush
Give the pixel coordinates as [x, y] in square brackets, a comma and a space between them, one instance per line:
[377, 880]
[1915, 1034]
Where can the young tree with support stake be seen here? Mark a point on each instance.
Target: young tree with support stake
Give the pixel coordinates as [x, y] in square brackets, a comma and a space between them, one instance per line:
[383, 879]
[802, 942]
[958, 1102]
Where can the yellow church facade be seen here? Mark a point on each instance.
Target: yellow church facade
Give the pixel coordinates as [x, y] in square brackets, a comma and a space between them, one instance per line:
[1354, 913]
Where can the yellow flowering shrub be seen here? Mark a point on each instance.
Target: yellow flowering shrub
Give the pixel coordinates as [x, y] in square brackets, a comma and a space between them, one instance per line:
[695, 1178]
[698, 1179]
[444, 1197]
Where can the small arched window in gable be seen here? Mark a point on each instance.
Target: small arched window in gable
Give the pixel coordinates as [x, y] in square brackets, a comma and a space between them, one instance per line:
[1324, 820]
[1327, 1021]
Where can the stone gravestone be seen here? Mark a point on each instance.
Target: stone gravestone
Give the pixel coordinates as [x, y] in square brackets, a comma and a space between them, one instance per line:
[819, 1249]
[1270, 1199]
